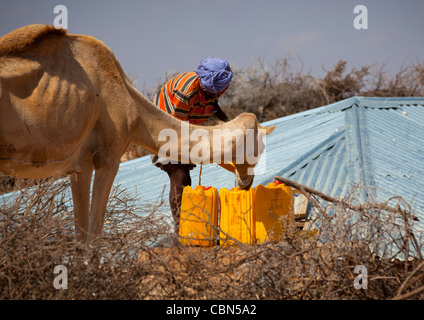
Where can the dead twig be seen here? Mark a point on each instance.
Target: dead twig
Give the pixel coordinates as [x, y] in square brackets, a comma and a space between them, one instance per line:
[409, 294]
[359, 208]
[399, 295]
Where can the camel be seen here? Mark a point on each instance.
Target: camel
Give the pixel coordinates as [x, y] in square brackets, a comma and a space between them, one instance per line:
[68, 108]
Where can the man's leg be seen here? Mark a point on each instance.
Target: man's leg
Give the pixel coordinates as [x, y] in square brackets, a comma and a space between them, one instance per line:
[180, 178]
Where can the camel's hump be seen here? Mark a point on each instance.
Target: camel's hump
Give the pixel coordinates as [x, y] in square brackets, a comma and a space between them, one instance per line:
[22, 38]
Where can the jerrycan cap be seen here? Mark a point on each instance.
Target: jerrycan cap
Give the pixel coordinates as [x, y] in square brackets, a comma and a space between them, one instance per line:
[203, 187]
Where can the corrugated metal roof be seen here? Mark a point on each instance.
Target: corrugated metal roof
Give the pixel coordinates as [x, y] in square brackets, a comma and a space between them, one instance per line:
[377, 143]
[380, 149]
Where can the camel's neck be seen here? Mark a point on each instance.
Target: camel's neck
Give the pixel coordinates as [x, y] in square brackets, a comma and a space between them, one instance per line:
[162, 134]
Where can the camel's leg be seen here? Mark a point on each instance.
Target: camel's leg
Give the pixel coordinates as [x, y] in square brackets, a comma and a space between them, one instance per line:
[103, 180]
[80, 186]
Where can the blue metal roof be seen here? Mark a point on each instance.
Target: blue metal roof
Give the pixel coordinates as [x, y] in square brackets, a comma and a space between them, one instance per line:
[376, 143]
[379, 148]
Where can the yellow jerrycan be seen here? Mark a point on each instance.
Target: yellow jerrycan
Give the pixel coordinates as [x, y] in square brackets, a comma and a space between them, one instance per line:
[257, 215]
[237, 216]
[199, 216]
[274, 214]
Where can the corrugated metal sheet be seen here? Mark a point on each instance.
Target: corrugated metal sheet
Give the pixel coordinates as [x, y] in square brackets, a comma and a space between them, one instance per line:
[323, 168]
[396, 138]
[381, 149]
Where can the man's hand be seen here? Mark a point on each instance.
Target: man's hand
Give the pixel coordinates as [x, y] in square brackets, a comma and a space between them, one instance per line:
[220, 114]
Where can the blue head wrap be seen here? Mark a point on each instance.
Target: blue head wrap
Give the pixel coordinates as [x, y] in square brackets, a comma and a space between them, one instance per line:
[215, 74]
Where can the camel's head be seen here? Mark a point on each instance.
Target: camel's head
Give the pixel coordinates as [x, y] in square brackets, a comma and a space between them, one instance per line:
[248, 153]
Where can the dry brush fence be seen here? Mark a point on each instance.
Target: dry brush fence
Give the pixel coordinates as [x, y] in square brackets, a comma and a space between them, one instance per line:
[140, 257]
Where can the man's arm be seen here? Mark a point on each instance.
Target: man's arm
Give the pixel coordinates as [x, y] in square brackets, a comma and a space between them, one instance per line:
[219, 113]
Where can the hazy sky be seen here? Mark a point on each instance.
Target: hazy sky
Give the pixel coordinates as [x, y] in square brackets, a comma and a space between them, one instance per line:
[150, 37]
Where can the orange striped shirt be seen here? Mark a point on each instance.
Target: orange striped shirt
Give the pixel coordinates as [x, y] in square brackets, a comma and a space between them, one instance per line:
[183, 97]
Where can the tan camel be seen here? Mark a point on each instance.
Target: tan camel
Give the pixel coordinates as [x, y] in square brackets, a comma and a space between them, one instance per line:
[67, 107]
